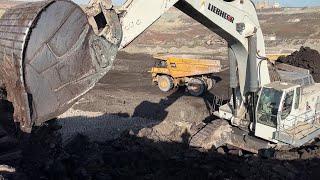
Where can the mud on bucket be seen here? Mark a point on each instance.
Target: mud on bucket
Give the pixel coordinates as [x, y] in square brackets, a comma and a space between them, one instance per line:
[49, 58]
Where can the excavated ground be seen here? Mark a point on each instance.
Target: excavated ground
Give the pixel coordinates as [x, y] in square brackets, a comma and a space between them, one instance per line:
[126, 128]
[45, 157]
[126, 99]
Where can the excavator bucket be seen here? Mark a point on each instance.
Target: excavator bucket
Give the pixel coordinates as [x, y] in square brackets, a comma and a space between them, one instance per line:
[49, 57]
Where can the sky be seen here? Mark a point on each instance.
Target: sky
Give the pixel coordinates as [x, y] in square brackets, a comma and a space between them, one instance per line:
[286, 3]
[297, 3]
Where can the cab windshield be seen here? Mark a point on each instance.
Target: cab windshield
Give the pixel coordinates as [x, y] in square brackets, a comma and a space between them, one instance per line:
[161, 64]
[268, 107]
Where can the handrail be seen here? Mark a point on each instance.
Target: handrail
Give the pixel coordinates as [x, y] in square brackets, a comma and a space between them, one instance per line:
[291, 123]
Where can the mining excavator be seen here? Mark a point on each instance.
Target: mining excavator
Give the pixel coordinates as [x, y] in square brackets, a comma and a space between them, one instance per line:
[53, 52]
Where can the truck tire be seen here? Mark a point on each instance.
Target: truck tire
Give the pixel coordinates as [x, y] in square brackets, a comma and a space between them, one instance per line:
[196, 87]
[165, 83]
[210, 83]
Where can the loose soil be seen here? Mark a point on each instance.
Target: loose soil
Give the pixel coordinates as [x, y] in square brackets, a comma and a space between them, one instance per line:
[306, 58]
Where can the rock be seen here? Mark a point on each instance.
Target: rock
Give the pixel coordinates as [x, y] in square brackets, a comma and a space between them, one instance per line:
[131, 133]
[221, 150]
[7, 169]
[237, 152]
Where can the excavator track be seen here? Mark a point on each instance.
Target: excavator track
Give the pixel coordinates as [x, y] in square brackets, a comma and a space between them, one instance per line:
[220, 133]
[212, 135]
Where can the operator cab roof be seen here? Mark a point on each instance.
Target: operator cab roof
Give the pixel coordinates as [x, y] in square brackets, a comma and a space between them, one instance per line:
[281, 85]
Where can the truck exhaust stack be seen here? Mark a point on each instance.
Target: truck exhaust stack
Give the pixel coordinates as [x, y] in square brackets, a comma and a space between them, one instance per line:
[49, 57]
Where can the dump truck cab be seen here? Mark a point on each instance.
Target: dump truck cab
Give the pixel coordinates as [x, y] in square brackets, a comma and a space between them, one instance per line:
[160, 67]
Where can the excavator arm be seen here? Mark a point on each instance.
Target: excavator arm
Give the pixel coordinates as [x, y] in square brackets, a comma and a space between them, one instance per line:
[236, 21]
[46, 70]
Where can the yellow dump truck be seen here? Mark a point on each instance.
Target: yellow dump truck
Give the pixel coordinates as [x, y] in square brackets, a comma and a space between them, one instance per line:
[172, 71]
[274, 57]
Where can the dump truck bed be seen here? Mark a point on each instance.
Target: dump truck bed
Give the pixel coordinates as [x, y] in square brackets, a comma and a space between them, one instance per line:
[274, 57]
[188, 65]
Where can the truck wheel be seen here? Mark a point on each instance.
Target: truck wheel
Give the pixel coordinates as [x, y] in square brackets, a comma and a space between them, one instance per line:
[210, 83]
[165, 83]
[196, 87]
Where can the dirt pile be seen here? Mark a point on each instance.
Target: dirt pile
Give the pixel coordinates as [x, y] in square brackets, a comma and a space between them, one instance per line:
[306, 58]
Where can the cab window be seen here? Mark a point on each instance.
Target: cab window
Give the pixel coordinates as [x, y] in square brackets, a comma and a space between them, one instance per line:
[268, 107]
[161, 64]
[297, 99]
[287, 105]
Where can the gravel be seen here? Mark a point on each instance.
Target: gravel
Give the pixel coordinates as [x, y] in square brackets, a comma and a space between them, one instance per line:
[98, 126]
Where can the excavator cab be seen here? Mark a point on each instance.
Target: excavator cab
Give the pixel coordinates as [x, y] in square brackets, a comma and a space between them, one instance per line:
[284, 114]
[275, 104]
[268, 107]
